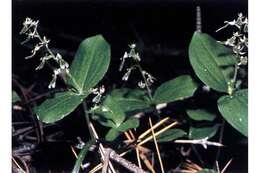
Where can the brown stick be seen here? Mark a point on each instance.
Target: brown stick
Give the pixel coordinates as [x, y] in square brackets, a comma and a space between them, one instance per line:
[125, 163]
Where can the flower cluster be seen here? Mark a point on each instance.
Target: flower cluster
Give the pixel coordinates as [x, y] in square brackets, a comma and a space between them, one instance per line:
[239, 40]
[148, 79]
[30, 30]
[132, 54]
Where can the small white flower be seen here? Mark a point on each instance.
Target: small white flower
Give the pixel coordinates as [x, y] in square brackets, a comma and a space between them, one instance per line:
[53, 82]
[97, 98]
[104, 109]
[63, 64]
[244, 40]
[34, 51]
[123, 61]
[102, 89]
[95, 91]
[27, 21]
[141, 84]
[98, 91]
[231, 41]
[132, 46]
[45, 41]
[243, 60]
[137, 57]
[150, 79]
[127, 74]
[125, 55]
[57, 71]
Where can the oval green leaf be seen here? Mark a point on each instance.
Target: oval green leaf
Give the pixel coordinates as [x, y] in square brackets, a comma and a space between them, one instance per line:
[90, 63]
[200, 115]
[171, 135]
[203, 132]
[58, 107]
[176, 89]
[110, 111]
[112, 134]
[211, 60]
[128, 124]
[235, 110]
[130, 99]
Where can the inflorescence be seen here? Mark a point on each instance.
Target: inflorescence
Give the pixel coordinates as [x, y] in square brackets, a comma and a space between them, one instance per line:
[239, 44]
[30, 30]
[239, 40]
[148, 79]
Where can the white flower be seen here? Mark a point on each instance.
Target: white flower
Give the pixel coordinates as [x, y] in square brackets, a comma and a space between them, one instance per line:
[34, 51]
[141, 84]
[125, 55]
[123, 61]
[53, 82]
[127, 74]
[45, 41]
[98, 91]
[231, 41]
[132, 46]
[150, 79]
[43, 60]
[243, 60]
[57, 71]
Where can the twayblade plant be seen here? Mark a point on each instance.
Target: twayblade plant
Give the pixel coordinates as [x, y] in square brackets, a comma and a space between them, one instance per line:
[215, 64]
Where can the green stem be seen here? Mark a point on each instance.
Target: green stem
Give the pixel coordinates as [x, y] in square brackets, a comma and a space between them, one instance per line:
[234, 79]
[235, 73]
[87, 119]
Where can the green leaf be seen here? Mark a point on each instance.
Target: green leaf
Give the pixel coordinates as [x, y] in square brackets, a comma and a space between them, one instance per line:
[81, 156]
[128, 124]
[235, 110]
[90, 63]
[210, 61]
[130, 99]
[58, 107]
[15, 97]
[207, 171]
[200, 115]
[101, 117]
[112, 134]
[175, 89]
[111, 111]
[203, 132]
[171, 135]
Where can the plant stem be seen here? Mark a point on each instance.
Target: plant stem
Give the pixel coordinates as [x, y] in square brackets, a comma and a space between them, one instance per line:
[87, 119]
[220, 138]
[233, 80]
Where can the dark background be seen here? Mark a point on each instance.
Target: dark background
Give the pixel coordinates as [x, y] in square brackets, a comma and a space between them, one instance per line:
[161, 29]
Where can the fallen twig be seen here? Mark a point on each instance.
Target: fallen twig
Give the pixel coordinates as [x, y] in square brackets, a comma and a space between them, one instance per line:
[125, 163]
